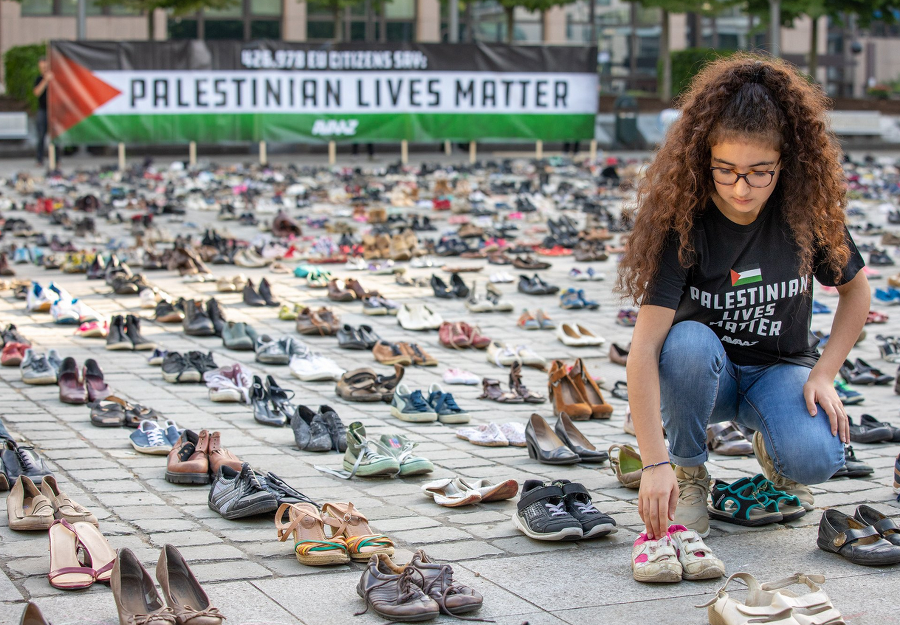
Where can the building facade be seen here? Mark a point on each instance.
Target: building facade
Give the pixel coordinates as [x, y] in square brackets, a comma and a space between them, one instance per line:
[628, 35]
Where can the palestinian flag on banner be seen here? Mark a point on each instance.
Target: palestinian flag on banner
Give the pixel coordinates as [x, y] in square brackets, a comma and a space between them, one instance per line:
[747, 275]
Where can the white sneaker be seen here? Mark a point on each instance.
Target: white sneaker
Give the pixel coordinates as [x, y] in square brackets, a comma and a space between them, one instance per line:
[147, 298]
[314, 368]
[697, 560]
[37, 299]
[327, 365]
[421, 261]
[433, 320]
[501, 354]
[655, 560]
[356, 264]
[527, 356]
[460, 376]
[488, 435]
[85, 312]
[63, 313]
[501, 277]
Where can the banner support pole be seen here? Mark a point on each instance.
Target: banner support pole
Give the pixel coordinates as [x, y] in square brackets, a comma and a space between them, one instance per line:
[263, 156]
[404, 151]
[473, 152]
[192, 153]
[51, 156]
[121, 156]
[448, 150]
[538, 149]
[593, 155]
[332, 152]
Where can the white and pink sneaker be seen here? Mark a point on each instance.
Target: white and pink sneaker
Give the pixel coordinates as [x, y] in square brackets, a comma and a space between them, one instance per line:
[460, 376]
[697, 560]
[655, 561]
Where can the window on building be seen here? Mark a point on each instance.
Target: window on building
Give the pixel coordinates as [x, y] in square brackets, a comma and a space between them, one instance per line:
[33, 8]
[396, 18]
[265, 29]
[182, 29]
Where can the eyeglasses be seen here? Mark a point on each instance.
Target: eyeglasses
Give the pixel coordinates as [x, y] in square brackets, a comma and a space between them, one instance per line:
[755, 179]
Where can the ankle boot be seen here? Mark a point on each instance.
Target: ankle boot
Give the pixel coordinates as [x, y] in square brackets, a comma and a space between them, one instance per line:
[251, 297]
[133, 331]
[183, 592]
[693, 497]
[116, 339]
[216, 316]
[265, 291]
[136, 598]
[565, 396]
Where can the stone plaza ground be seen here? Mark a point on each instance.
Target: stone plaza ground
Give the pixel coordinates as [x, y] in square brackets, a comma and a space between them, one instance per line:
[255, 579]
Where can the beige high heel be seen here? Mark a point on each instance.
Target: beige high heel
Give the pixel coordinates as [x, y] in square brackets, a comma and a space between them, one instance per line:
[311, 546]
[66, 572]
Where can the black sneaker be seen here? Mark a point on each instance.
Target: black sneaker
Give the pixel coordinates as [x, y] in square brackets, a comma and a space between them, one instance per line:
[237, 495]
[22, 460]
[594, 523]
[201, 362]
[176, 368]
[869, 432]
[541, 513]
[133, 332]
[852, 467]
[115, 338]
[283, 491]
[870, 421]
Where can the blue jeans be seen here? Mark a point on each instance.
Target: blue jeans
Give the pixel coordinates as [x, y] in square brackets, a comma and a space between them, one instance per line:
[700, 385]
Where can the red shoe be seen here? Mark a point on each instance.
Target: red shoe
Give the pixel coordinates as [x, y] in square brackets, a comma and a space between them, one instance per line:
[12, 354]
[441, 205]
[474, 336]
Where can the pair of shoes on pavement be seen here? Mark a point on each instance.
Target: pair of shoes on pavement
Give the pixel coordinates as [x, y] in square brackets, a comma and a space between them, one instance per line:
[680, 554]
[559, 510]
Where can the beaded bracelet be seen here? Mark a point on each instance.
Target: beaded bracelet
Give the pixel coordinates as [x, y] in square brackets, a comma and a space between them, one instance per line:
[658, 464]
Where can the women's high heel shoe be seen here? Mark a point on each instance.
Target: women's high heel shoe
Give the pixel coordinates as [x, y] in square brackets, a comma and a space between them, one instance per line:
[263, 411]
[101, 556]
[577, 442]
[32, 615]
[183, 592]
[589, 389]
[66, 572]
[137, 600]
[565, 396]
[545, 446]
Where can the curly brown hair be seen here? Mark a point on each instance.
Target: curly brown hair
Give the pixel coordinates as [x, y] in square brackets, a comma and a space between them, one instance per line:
[757, 99]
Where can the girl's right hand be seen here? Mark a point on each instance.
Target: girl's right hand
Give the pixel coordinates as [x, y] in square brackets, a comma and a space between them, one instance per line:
[657, 500]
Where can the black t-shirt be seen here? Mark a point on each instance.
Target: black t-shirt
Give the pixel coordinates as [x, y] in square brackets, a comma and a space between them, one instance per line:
[42, 99]
[745, 284]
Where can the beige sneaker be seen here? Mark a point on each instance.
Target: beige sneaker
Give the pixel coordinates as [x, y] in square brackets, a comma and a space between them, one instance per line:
[798, 490]
[693, 497]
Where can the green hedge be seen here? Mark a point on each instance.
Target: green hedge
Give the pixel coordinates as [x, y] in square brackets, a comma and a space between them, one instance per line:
[20, 68]
[686, 63]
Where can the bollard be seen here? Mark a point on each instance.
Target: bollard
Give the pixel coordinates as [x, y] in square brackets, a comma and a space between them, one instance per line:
[192, 153]
[448, 150]
[263, 157]
[539, 149]
[121, 157]
[332, 152]
[473, 152]
[593, 154]
[404, 151]
[51, 156]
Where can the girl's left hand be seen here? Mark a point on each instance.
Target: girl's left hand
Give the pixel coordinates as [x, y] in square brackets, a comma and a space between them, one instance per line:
[822, 392]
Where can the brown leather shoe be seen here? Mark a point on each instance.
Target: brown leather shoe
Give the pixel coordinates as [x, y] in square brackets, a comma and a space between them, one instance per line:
[64, 507]
[338, 291]
[390, 354]
[219, 456]
[359, 385]
[358, 290]
[136, 598]
[187, 462]
[437, 581]
[32, 616]
[565, 396]
[588, 389]
[26, 508]
[183, 592]
[392, 593]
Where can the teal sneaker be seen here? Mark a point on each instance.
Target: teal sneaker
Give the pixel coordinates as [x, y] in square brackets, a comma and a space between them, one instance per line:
[401, 448]
[365, 458]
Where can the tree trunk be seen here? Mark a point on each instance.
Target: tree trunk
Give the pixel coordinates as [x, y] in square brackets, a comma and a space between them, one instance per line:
[814, 49]
[338, 24]
[714, 27]
[151, 26]
[470, 23]
[510, 23]
[665, 92]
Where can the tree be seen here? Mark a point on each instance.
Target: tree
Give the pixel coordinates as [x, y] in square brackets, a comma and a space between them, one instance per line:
[337, 8]
[539, 6]
[866, 11]
[177, 7]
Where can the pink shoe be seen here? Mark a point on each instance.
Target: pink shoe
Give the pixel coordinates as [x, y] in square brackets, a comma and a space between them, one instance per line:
[655, 561]
[870, 273]
[93, 329]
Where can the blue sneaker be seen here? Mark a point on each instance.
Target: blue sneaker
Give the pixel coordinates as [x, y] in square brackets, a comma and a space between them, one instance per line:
[889, 295]
[818, 308]
[151, 439]
[172, 431]
[411, 406]
[448, 411]
[587, 303]
[570, 300]
[21, 256]
[848, 396]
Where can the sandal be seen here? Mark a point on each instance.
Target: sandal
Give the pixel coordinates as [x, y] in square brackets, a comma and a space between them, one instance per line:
[620, 390]
[627, 464]
[492, 390]
[99, 554]
[66, 572]
[515, 383]
[742, 503]
[106, 413]
[788, 505]
[311, 545]
[354, 528]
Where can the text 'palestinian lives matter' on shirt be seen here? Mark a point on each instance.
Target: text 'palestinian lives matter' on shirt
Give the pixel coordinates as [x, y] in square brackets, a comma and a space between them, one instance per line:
[745, 284]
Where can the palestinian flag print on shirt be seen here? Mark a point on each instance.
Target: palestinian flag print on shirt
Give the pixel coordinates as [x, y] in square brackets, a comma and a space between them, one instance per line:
[746, 275]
